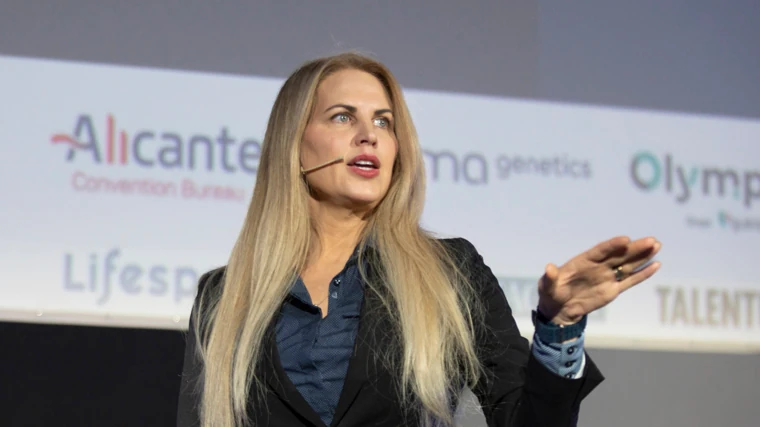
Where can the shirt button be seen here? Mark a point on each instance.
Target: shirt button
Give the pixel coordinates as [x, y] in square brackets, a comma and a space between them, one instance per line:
[336, 281]
[568, 364]
[569, 376]
[571, 350]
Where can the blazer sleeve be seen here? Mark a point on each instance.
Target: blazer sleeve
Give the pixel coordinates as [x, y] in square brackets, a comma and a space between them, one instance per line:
[190, 383]
[515, 389]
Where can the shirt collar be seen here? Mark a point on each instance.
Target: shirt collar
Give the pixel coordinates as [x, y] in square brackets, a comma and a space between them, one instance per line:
[298, 289]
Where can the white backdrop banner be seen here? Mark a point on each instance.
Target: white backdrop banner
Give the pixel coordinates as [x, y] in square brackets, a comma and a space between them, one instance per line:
[121, 186]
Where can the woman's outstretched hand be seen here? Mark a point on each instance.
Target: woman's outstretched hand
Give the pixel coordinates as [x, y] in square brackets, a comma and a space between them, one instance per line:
[595, 278]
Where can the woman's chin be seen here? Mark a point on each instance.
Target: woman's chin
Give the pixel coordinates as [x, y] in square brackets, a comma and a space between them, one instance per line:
[363, 201]
[352, 201]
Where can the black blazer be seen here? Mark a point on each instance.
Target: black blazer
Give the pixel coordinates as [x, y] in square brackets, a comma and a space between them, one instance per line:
[515, 390]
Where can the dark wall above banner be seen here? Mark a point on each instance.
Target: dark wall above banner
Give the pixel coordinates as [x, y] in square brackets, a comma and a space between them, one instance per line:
[698, 56]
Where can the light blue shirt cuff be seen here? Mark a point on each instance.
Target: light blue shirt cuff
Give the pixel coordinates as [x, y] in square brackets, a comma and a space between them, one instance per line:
[567, 359]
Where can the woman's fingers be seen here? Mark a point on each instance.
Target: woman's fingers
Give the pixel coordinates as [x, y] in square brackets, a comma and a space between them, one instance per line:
[637, 252]
[635, 261]
[591, 277]
[610, 248]
[638, 277]
[549, 280]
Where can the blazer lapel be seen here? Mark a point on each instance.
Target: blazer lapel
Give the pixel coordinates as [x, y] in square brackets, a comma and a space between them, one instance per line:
[361, 366]
[280, 383]
[358, 364]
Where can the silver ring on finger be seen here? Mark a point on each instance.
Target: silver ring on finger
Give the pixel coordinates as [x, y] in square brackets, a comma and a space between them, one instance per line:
[619, 274]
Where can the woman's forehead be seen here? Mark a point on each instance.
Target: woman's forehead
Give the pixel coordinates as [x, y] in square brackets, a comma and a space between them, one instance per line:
[351, 85]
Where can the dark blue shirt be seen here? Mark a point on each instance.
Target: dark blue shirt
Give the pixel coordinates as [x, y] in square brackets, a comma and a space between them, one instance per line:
[314, 351]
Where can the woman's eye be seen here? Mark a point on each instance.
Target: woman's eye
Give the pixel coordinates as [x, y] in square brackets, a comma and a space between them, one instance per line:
[382, 122]
[341, 118]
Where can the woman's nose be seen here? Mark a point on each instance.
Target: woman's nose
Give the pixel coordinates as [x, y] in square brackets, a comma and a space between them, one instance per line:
[366, 134]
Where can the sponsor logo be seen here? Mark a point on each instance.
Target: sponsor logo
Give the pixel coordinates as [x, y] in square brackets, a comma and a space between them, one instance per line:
[685, 183]
[738, 223]
[475, 168]
[95, 144]
[103, 275]
[651, 173]
[710, 307]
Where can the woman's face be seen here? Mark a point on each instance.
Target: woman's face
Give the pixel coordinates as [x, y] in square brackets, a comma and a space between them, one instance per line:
[352, 119]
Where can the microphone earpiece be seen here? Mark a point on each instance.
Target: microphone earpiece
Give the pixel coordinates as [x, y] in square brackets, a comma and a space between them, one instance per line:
[335, 160]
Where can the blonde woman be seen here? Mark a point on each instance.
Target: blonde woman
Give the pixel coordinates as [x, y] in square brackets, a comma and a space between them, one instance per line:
[336, 308]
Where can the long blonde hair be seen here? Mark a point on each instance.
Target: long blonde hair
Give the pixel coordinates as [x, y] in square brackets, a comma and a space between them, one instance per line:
[427, 298]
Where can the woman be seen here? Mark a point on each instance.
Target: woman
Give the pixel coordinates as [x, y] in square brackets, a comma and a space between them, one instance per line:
[336, 308]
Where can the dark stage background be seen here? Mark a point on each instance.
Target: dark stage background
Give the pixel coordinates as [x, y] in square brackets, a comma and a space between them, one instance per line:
[56, 375]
